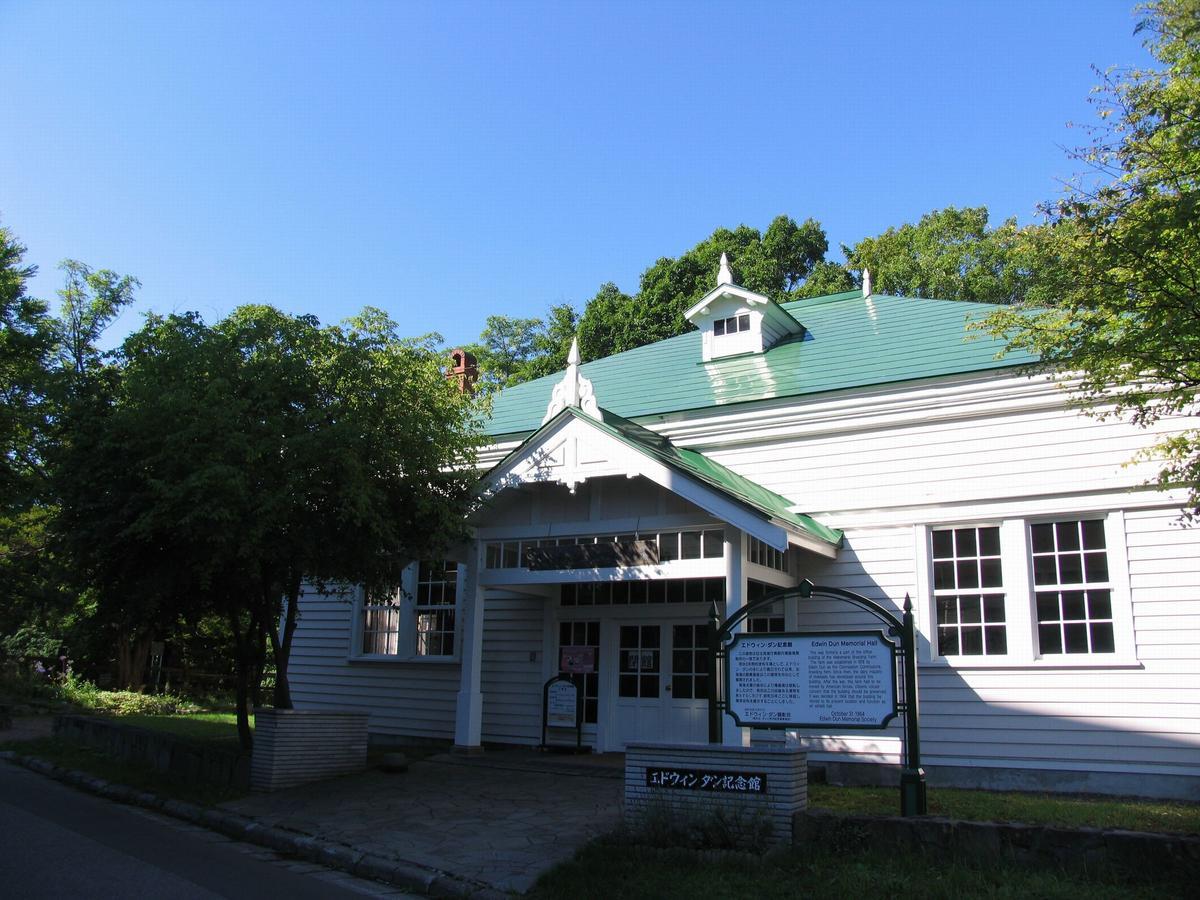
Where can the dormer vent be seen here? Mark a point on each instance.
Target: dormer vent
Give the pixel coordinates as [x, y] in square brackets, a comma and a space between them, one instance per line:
[734, 321]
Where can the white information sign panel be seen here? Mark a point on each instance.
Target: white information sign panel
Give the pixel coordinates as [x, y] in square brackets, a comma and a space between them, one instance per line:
[816, 679]
[561, 705]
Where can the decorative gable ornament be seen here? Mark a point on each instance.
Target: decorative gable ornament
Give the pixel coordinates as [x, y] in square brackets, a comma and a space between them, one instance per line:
[573, 390]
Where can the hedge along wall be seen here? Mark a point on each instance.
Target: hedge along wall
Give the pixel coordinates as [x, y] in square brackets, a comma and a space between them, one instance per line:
[697, 779]
[164, 752]
[294, 746]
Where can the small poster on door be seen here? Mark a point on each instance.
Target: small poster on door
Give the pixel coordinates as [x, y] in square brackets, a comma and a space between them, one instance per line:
[577, 660]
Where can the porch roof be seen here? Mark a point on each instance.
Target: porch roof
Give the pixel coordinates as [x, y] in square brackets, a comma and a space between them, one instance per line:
[695, 465]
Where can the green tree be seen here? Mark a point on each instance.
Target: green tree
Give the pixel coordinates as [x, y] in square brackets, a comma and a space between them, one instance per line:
[827, 278]
[950, 254]
[27, 343]
[232, 462]
[776, 263]
[89, 301]
[512, 350]
[1121, 312]
[604, 323]
[40, 356]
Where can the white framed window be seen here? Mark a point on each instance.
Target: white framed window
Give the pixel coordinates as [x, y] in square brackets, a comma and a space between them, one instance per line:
[968, 591]
[419, 621]
[731, 325]
[1072, 590]
[1042, 591]
[436, 603]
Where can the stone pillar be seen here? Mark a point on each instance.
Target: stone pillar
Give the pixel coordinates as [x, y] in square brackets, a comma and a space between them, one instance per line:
[735, 599]
[468, 723]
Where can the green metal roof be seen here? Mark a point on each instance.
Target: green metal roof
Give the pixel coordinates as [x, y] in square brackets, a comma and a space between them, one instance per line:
[698, 466]
[850, 342]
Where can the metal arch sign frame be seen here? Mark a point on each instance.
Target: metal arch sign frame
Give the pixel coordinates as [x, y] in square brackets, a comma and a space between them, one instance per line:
[913, 799]
[793, 639]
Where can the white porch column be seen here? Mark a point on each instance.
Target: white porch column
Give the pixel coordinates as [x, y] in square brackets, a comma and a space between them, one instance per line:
[468, 721]
[735, 599]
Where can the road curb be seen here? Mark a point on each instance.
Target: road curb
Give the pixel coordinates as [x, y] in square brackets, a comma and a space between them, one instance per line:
[397, 872]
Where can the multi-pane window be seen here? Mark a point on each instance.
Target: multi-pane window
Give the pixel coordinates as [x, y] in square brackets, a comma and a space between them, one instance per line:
[1071, 587]
[768, 619]
[732, 325]
[639, 659]
[619, 593]
[766, 555]
[968, 592]
[437, 595]
[701, 543]
[584, 634]
[381, 624]
[689, 662]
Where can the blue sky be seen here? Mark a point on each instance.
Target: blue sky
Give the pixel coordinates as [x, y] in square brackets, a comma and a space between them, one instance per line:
[447, 161]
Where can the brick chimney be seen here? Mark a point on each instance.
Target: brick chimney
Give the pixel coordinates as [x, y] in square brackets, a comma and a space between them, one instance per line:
[464, 368]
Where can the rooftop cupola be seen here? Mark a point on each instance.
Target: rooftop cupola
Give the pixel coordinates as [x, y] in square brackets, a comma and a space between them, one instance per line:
[733, 320]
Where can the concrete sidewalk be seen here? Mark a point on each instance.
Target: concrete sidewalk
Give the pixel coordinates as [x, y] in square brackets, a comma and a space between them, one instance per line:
[498, 819]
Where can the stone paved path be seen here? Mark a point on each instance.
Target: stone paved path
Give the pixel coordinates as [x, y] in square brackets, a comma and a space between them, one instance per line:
[501, 818]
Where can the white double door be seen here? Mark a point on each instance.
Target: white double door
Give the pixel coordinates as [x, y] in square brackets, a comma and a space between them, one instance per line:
[658, 681]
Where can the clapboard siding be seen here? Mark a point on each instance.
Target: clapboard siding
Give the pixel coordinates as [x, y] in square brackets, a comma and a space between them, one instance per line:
[512, 680]
[414, 699]
[1142, 718]
[985, 453]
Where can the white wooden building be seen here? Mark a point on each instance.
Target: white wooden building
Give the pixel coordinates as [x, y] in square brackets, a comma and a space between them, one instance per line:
[871, 443]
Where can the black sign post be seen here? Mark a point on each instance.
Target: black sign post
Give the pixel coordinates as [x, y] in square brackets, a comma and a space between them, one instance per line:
[913, 799]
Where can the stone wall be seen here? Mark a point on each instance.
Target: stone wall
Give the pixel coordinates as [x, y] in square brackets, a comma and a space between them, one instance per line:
[294, 746]
[1073, 849]
[693, 770]
[167, 753]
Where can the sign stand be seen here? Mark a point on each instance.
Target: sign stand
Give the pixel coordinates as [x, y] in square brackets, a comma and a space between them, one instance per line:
[776, 675]
[562, 707]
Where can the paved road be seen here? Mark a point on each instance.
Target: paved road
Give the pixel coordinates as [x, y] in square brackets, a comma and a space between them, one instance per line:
[59, 842]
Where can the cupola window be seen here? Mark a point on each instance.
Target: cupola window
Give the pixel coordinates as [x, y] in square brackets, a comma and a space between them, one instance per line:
[732, 325]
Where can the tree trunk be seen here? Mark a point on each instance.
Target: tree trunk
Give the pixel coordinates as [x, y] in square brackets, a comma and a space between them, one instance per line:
[282, 646]
[132, 652]
[242, 664]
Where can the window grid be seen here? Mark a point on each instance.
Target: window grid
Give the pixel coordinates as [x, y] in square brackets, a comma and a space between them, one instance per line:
[701, 543]
[768, 620]
[766, 555]
[584, 634]
[619, 593]
[437, 595]
[732, 325]
[1072, 591]
[381, 625]
[689, 662]
[968, 592]
[639, 660]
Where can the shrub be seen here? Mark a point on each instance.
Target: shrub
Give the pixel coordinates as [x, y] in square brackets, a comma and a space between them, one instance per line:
[85, 694]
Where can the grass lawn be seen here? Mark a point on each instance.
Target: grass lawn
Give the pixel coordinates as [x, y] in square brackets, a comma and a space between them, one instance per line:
[612, 870]
[1031, 809]
[215, 727]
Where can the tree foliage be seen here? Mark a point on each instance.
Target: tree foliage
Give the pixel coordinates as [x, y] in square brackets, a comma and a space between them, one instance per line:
[1122, 307]
[512, 350]
[950, 254]
[230, 462]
